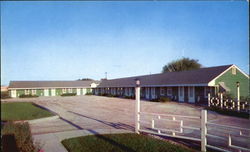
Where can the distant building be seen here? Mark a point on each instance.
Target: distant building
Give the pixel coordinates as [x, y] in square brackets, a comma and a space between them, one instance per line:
[50, 88]
[4, 88]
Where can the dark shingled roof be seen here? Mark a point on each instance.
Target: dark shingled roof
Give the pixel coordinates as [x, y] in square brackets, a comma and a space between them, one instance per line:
[50, 84]
[200, 76]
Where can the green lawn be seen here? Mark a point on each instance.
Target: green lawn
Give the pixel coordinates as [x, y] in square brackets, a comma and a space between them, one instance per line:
[22, 111]
[120, 143]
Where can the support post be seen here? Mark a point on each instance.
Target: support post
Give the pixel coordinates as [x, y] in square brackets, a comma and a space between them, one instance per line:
[153, 124]
[203, 130]
[137, 109]
[208, 99]
[238, 96]
[221, 100]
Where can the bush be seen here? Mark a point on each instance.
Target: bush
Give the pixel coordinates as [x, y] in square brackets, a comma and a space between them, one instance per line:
[164, 99]
[28, 96]
[246, 99]
[110, 95]
[20, 132]
[228, 95]
[4, 95]
[129, 97]
[104, 94]
[154, 100]
[68, 94]
[229, 112]
[89, 93]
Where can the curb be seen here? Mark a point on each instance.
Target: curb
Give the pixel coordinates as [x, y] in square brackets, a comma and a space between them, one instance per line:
[43, 119]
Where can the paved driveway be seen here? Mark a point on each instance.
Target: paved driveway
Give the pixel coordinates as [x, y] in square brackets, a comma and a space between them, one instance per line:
[102, 113]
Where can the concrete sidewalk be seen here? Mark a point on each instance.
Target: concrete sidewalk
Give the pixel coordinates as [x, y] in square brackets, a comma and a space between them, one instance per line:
[51, 142]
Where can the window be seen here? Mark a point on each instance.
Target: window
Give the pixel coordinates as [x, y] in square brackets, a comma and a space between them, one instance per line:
[233, 70]
[162, 91]
[169, 91]
[26, 91]
[63, 90]
[70, 90]
[130, 91]
[33, 92]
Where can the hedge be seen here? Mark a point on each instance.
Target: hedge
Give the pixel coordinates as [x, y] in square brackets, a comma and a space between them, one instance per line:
[27, 96]
[17, 136]
[68, 94]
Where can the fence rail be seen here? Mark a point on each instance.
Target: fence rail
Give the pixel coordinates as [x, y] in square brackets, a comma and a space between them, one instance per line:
[203, 129]
[203, 123]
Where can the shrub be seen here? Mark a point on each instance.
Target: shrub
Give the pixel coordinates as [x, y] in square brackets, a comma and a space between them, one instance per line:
[154, 100]
[164, 99]
[27, 96]
[104, 94]
[89, 93]
[110, 95]
[20, 132]
[68, 94]
[246, 99]
[5, 95]
[229, 112]
[129, 97]
[228, 95]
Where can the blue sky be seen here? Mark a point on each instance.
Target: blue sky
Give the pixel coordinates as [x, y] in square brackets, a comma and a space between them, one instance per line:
[71, 40]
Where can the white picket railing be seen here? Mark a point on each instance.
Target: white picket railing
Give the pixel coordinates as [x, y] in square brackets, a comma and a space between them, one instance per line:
[202, 127]
[230, 104]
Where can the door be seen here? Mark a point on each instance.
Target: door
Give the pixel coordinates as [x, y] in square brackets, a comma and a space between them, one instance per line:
[191, 94]
[83, 91]
[153, 93]
[53, 92]
[147, 93]
[181, 94]
[46, 92]
[78, 91]
[13, 93]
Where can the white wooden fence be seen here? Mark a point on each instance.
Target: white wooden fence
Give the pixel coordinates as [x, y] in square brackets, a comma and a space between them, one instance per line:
[202, 129]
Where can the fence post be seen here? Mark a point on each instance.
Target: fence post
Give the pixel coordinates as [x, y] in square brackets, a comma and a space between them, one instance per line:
[203, 130]
[221, 100]
[238, 96]
[153, 124]
[208, 99]
[137, 109]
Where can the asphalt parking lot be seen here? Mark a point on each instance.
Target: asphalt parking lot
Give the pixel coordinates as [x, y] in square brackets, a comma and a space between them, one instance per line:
[96, 112]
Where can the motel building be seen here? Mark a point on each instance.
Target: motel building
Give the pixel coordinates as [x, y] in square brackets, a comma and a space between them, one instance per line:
[50, 88]
[187, 86]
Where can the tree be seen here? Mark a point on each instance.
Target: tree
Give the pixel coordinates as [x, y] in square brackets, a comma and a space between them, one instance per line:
[85, 79]
[183, 64]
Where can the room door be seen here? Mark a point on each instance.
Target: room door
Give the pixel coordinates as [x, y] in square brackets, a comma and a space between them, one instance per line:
[78, 91]
[13, 93]
[181, 94]
[147, 93]
[46, 92]
[191, 94]
[53, 92]
[153, 93]
[83, 91]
